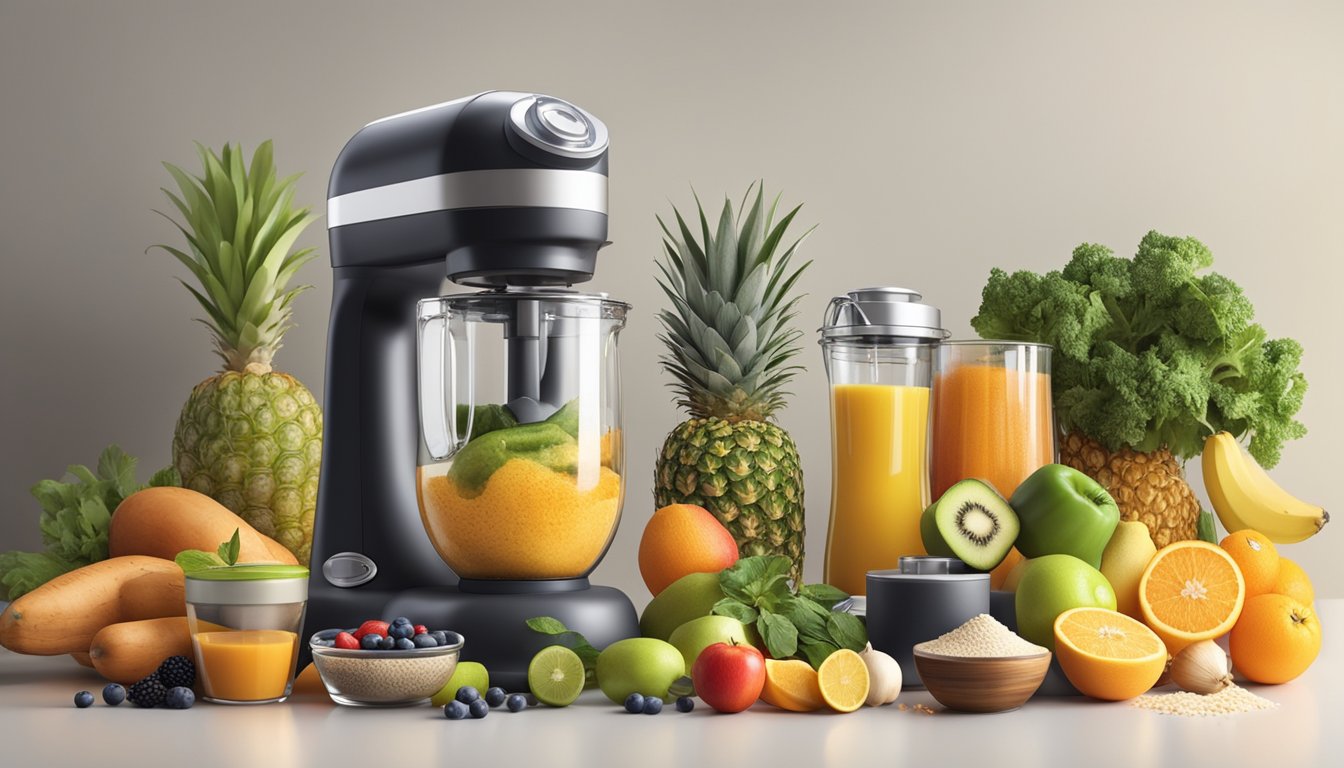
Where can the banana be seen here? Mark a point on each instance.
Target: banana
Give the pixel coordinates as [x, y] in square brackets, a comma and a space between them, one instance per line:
[1245, 496]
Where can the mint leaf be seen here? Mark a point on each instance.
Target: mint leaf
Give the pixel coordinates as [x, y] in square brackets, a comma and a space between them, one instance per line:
[546, 625]
[779, 634]
[847, 631]
[818, 652]
[228, 551]
[572, 640]
[823, 594]
[735, 610]
[811, 625]
[192, 560]
[752, 580]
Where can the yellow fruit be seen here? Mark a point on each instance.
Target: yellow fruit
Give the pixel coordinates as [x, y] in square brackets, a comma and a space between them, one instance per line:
[681, 539]
[1245, 496]
[843, 679]
[791, 684]
[1257, 558]
[1106, 654]
[1275, 640]
[1294, 583]
[1127, 554]
[1191, 591]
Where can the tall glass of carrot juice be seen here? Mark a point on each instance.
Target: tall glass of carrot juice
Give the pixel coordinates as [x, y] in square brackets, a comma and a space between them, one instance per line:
[992, 418]
[878, 347]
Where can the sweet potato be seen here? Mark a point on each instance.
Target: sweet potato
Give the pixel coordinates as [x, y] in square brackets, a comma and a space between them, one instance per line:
[83, 658]
[161, 522]
[63, 615]
[126, 652]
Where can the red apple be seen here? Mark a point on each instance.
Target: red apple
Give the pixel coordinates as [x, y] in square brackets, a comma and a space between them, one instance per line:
[729, 677]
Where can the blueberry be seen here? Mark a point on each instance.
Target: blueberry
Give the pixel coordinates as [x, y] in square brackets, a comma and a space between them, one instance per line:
[439, 636]
[370, 642]
[634, 703]
[479, 708]
[388, 643]
[467, 694]
[685, 704]
[495, 696]
[114, 694]
[455, 710]
[402, 621]
[517, 702]
[401, 631]
[424, 641]
[83, 699]
[653, 705]
[404, 644]
[180, 697]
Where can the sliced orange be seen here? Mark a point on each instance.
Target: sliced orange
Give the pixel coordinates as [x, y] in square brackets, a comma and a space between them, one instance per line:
[792, 684]
[1191, 591]
[1106, 654]
[843, 679]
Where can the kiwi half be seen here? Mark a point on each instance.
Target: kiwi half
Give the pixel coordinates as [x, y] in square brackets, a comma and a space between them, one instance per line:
[972, 523]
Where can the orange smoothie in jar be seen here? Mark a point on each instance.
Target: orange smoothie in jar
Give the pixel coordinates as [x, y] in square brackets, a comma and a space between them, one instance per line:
[246, 665]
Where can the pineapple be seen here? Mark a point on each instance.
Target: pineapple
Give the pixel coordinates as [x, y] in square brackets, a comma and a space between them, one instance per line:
[729, 342]
[1148, 487]
[250, 436]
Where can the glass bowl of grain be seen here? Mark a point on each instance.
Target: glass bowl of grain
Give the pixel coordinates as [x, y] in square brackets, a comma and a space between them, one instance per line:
[378, 678]
[981, 666]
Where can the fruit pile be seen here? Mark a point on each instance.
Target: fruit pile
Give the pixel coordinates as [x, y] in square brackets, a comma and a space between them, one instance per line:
[168, 686]
[398, 635]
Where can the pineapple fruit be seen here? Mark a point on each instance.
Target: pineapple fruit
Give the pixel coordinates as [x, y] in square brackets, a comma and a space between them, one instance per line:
[729, 342]
[250, 437]
[1148, 487]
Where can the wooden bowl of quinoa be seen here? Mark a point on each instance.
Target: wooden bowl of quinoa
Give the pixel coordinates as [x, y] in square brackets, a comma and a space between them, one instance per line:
[360, 678]
[981, 666]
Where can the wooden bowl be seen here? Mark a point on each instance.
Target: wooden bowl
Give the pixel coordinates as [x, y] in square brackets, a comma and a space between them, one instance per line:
[991, 684]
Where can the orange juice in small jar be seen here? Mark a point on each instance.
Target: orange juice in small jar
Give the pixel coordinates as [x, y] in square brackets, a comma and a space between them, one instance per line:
[244, 622]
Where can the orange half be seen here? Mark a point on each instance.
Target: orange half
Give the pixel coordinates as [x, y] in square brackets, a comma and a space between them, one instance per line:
[1191, 591]
[791, 684]
[843, 679]
[1106, 654]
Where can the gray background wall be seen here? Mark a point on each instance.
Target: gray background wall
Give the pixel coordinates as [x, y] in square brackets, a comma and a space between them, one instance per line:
[931, 141]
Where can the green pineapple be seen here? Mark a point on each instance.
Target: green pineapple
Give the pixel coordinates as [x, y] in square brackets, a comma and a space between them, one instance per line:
[729, 343]
[250, 436]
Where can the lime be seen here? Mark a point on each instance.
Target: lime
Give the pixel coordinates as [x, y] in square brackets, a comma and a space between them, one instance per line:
[471, 673]
[555, 676]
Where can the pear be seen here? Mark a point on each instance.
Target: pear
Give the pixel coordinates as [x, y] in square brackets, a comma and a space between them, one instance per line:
[1123, 561]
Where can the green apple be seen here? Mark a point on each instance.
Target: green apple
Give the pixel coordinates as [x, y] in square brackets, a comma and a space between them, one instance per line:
[1062, 511]
[698, 634]
[689, 597]
[643, 665]
[1051, 585]
[472, 673]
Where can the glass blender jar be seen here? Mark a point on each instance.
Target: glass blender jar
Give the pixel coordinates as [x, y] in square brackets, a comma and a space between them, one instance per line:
[521, 472]
[878, 345]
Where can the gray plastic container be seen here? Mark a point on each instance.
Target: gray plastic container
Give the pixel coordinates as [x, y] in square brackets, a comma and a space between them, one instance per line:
[924, 598]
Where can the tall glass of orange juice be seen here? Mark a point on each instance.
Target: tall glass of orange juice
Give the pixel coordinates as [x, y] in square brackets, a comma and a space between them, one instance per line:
[878, 346]
[992, 418]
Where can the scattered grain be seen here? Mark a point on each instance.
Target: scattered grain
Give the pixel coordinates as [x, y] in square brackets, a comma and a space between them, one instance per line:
[1231, 700]
[980, 637]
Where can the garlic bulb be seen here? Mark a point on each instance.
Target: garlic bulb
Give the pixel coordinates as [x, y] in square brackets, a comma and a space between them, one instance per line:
[1201, 668]
[884, 676]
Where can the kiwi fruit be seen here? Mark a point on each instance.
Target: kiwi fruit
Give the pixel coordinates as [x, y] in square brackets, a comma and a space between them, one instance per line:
[972, 523]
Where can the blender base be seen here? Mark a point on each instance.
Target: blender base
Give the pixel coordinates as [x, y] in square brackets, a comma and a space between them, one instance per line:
[494, 624]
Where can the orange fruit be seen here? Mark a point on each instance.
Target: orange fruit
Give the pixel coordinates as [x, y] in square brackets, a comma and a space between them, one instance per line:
[1275, 640]
[1191, 591]
[843, 680]
[1001, 571]
[1294, 583]
[681, 539]
[1106, 654]
[792, 684]
[1257, 558]
[309, 683]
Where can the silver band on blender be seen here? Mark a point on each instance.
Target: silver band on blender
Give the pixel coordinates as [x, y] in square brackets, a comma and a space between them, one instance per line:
[501, 187]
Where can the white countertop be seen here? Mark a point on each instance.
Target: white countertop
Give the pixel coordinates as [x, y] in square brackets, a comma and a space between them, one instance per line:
[40, 726]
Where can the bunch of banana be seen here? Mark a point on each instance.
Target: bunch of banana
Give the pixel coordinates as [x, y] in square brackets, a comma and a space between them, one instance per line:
[1244, 495]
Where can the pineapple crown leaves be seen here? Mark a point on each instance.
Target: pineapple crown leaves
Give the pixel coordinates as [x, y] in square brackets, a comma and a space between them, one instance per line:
[728, 334]
[240, 226]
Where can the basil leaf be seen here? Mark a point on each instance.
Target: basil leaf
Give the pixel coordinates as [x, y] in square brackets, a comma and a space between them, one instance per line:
[818, 652]
[811, 626]
[823, 594]
[847, 631]
[192, 560]
[228, 551]
[753, 578]
[779, 634]
[735, 610]
[546, 625]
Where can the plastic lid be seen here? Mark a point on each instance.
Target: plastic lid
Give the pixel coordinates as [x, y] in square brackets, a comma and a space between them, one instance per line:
[259, 572]
[882, 312]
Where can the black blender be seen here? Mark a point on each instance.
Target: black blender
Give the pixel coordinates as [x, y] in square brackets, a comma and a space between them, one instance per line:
[472, 468]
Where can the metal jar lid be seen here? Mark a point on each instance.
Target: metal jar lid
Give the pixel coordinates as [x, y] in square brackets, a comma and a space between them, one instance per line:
[882, 312]
[248, 585]
[929, 568]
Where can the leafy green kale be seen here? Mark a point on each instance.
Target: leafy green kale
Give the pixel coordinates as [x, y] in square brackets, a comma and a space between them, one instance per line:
[1152, 351]
[74, 520]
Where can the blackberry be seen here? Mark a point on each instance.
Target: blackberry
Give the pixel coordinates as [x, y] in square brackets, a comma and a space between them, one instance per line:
[147, 693]
[177, 671]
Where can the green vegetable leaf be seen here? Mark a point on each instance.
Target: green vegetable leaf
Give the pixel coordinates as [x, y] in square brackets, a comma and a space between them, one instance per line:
[753, 578]
[546, 625]
[165, 478]
[823, 594]
[118, 469]
[808, 617]
[192, 560]
[779, 634]
[572, 640]
[847, 631]
[735, 610]
[818, 652]
[22, 572]
[228, 551]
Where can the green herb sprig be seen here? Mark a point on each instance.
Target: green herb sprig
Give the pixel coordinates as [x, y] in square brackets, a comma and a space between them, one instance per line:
[191, 560]
[572, 640]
